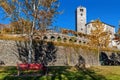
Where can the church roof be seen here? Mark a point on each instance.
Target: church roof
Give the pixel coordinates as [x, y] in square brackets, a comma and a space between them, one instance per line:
[102, 22]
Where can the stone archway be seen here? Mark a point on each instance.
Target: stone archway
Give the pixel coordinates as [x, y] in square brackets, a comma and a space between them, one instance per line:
[59, 38]
[45, 37]
[64, 39]
[52, 38]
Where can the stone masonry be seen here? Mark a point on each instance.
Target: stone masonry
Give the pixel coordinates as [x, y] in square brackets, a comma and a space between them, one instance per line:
[9, 55]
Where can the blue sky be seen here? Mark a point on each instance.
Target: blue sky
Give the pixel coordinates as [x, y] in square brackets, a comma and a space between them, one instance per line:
[107, 11]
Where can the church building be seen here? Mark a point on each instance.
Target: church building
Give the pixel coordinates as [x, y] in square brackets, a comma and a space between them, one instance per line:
[84, 27]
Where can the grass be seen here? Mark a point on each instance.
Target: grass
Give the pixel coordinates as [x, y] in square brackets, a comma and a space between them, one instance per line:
[65, 73]
[110, 72]
[12, 37]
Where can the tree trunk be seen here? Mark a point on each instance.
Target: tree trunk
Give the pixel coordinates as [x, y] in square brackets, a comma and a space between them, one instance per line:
[31, 39]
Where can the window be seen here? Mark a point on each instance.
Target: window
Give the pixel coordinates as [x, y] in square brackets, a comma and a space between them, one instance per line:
[81, 10]
[81, 29]
[45, 37]
[64, 39]
[84, 42]
[81, 14]
[52, 38]
[59, 39]
[88, 26]
[81, 20]
[79, 41]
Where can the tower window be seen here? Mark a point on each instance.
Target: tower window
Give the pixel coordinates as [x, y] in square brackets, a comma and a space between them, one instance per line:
[81, 10]
[88, 26]
[81, 20]
[81, 14]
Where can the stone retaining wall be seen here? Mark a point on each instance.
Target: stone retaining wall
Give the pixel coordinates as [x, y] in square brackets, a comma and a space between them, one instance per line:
[64, 55]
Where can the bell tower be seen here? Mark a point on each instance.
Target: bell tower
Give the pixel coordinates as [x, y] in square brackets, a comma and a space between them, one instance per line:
[81, 19]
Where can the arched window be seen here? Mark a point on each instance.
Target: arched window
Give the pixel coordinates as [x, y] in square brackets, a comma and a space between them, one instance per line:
[84, 42]
[59, 38]
[81, 10]
[75, 40]
[52, 38]
[70, 40]
[81, 29]
[79, 41]
[81, 14]
[45, 38]
[64, 39]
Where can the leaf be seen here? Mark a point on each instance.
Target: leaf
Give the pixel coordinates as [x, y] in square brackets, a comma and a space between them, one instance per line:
[99, 37]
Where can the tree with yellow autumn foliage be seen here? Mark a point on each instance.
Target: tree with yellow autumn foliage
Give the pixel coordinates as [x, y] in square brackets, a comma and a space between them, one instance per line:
[30, 15]
[99, 37]
[21, 26]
